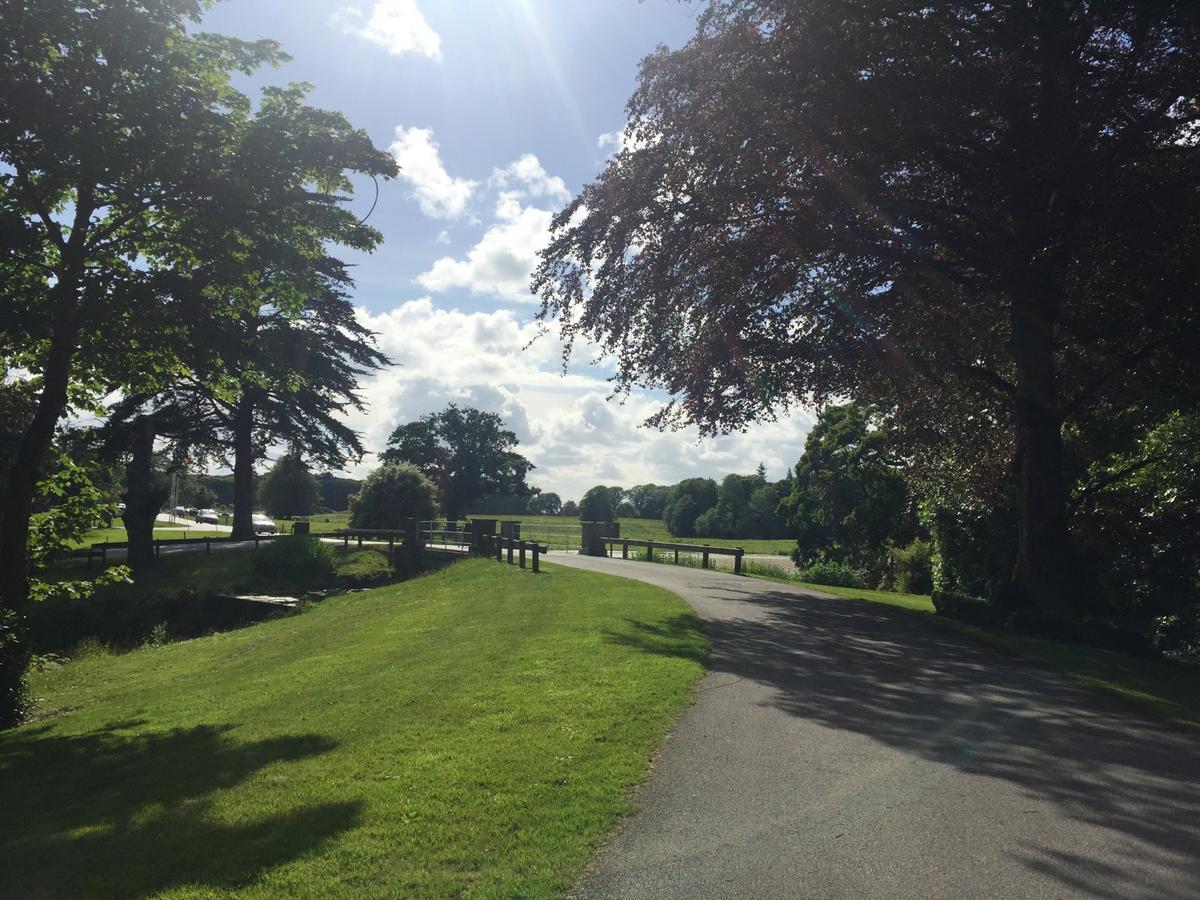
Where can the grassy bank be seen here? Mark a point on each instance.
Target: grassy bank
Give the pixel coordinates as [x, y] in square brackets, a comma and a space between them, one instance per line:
[474, 731]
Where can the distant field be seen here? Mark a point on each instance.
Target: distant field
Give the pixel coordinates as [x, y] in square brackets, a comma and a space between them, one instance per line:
[560, 532]
[656, 530]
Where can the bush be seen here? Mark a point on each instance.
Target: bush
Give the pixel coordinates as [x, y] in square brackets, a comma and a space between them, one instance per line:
[393, 494]
[296, 561]
[835, 574]
[967, 609]
[912, 568]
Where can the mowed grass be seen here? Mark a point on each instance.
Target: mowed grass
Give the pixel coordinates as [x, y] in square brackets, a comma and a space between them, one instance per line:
[1168, 688]
[117, 535]
[471, 732]
[654, 530]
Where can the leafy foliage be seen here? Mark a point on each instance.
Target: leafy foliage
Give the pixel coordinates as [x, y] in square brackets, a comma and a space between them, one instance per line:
[466, 452]
[849, 499]
[599, 504]
[993, 236]
[686, 502]
[289, 489]
[391, 495]
[544, 504]
[831, 572]
[297, 561]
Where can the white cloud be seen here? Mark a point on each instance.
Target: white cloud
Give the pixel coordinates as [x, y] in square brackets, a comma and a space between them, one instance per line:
[614, 142]
[396, 25]
[567, 426]
[532, 179]
[440, 195]
[503, 260]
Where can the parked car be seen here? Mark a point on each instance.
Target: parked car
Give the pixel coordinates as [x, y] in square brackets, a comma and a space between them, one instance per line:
[180, 511]
[264, 524]
[208, 517]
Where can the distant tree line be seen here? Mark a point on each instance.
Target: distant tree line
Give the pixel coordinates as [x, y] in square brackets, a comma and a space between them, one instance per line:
[745, 506]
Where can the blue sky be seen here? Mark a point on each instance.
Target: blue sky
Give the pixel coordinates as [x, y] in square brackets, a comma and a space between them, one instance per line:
[498, 112]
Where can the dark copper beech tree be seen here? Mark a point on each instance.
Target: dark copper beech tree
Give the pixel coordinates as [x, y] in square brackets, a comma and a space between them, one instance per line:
[944, 207]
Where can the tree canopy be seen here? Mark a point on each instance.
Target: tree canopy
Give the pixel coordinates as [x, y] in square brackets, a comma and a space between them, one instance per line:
[849, 500]
[393, 494]
[467, 453]
[289, 489]
[953, 210]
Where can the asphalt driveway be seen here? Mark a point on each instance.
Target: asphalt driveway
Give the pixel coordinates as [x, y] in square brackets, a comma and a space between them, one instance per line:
[846, 749]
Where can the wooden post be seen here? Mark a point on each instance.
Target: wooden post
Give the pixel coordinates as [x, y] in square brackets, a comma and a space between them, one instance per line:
[536, 551]
[521, 562]
[650, 551]
[676, 556]
[499, 548]
[391, 547]
[624, 550]
[737, 561]
[360, 540]
[510, 551]
[104, 554]
[704, 559]
[345, 539]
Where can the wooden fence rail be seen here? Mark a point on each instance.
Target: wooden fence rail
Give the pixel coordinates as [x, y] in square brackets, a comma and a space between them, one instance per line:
[514, 550]
[703, 549]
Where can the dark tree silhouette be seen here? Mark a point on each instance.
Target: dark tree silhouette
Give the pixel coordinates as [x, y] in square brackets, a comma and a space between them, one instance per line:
[959, 208]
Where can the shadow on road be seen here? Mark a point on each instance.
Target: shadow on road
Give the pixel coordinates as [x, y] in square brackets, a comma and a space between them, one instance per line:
[929, 691]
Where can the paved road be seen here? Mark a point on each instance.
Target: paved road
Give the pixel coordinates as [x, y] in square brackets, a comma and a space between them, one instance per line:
[844, 749]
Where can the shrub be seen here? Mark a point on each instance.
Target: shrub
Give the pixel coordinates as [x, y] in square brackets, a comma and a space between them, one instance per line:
[296, 561]
[392, 494]
[835, 574]
[967, 609]
[912, 570]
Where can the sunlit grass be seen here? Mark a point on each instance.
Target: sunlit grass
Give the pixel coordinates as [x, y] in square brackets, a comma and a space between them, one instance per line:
[470, 733]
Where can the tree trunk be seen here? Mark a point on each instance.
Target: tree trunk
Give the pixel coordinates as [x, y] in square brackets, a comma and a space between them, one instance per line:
[1042, 540]
[23, 476]
[18, 508]
[243, 468]
[142, 500]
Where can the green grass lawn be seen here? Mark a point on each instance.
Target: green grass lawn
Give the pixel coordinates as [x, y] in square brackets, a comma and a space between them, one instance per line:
[1168, 688]
[654, 530]
[116, 535]
[472, 732]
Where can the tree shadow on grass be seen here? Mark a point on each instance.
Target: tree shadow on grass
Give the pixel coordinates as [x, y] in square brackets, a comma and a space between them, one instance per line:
[680, 636]
[122, 812]
[934, 693]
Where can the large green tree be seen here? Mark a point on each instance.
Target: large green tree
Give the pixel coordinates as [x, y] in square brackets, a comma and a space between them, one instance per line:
[466, 452]
[113, 123]
[392, 495]
[937, 207]
[288, 489]
[849, 500]
[112, 119]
